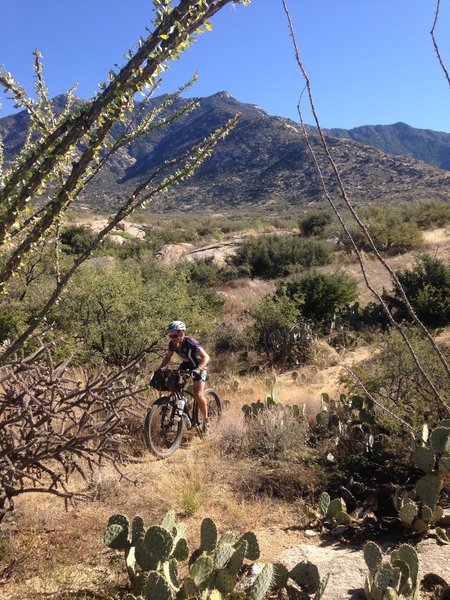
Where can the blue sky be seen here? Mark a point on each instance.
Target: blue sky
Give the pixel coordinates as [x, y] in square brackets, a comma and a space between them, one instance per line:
[370, 61]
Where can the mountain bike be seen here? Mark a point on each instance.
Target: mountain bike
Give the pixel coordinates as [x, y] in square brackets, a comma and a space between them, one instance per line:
[169, 415]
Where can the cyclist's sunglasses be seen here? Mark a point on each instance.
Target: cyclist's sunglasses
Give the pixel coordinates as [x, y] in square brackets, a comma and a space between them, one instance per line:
[174, 335]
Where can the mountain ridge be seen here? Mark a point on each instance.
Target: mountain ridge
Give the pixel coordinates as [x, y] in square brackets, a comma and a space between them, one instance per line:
[264, 161]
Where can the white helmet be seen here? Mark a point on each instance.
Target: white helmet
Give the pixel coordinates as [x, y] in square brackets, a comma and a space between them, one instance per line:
[176, 326]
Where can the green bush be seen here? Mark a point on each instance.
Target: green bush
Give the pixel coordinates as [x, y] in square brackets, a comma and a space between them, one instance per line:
[392, 377]
[427, 286]
[320, 296]
[110, 309]
[274, 256]
[205, 272]
[76, 239]
[428, 214]
[389, 229]
[274, 331]
[314, 223]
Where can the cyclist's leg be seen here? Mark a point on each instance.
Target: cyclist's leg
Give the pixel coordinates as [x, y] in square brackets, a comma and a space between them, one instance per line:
[199, 388]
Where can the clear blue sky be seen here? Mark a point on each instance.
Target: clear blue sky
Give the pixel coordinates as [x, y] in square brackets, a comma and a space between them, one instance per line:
[370, 61]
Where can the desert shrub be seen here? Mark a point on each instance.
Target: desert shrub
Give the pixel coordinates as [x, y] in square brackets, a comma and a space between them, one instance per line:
[111, 310]
[205, 272]
[314, 223]
[320, 296]
[277, 332]
[428, 214]
[276, 433]
[76, 239]
[427, 286]
[392, 377]
[388, 228]
[14, 315]
[274, 256]
[228, 339]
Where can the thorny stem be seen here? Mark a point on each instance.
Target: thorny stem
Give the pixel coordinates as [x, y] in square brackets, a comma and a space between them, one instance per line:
[380, 406]
[363, 228]
[435, 44]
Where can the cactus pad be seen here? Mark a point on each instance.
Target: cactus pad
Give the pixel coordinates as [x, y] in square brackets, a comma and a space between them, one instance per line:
[342, 517]
[306, 575]
[137, 530]
[373, 556]
[324, 503]
[426, 514]
[208, 535]
[222, 555]
[224, 582]
[408, 513]
[190, 589]
[386, 576]
[428, 488]
[408, 554]
[171, 574]
[157, 587]
[253, 551]
[160, 543]
[237, 559]
[144, 557]
[116, 537]
[424, 459]
[336, 505]
[201, 570]
[280, 576]
[442, 535]
[440, 440]
[181, 551]
[262, 583]
[168, 521]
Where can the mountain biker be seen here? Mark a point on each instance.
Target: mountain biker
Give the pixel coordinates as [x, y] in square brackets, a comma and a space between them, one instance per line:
[194, 359]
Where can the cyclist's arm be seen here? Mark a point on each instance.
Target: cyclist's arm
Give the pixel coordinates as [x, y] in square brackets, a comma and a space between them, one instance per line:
[166, 359]
[204, 358]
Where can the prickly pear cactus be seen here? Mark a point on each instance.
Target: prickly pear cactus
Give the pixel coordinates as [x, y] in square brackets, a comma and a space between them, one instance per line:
[152, 558]
[262, 583]
[420, 510]
[335, 509]
[394, 576]
[208, 535]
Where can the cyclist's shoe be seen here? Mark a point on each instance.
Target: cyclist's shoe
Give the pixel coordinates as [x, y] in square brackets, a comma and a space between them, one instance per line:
[206, 430]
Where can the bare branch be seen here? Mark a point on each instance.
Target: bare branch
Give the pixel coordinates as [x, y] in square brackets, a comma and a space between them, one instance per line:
[349, 205]
[435, 44]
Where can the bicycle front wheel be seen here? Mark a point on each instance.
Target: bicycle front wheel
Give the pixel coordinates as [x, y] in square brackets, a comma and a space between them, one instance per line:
[163, 433]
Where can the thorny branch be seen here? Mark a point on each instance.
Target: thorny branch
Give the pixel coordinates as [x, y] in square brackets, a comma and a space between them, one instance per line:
[363, 228]
[435, 44]
[52, 425]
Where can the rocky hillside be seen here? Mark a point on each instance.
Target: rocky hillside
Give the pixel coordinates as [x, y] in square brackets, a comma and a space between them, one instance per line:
[430, 146]
[264, 161]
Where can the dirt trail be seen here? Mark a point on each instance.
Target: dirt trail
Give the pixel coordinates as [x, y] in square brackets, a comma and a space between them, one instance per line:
[312, 382]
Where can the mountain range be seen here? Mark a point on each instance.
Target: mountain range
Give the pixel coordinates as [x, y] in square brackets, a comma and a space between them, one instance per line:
[266, 161]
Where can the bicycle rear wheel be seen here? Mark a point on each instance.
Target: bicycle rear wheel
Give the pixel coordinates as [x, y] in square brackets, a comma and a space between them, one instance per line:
[214, 405]
[163, 433]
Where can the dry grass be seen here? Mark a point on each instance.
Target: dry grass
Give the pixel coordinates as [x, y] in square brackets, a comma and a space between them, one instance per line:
[436, 242]
[57, 553]
[60, 555]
